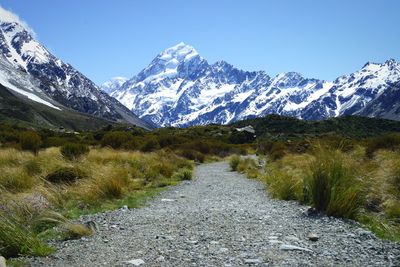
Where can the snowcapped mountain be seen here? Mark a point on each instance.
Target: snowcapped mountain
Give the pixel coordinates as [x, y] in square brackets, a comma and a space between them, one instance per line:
[111, 85]
[29, 70]
[180, 88]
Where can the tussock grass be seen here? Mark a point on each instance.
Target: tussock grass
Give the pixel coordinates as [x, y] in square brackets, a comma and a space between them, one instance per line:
[40, 192]
[234, 162]
[333, 185]
[17, 239]
[340, 182]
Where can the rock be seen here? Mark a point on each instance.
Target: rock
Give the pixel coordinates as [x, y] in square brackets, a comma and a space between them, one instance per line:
[313, 237]
[2, 262]
[160, 259]
[135, 262]
[291, 247]
[92, 225]
[124, 208]
[311, 212]
[365, 233]
[223, 250]
[168, 200]
[252, 261]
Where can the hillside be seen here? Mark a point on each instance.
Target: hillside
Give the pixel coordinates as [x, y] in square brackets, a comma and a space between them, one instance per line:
[347, 126]
[23, 112]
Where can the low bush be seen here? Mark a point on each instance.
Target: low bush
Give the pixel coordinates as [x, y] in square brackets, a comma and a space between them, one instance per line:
[66, 175]
[71, 151]
[30, 141]
[192, 155]
[116, 139]
[151, 144]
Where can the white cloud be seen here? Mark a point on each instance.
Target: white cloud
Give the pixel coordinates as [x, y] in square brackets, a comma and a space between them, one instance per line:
[8, 16]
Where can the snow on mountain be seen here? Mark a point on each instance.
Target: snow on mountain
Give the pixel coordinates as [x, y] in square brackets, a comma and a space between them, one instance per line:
[26, 64]
[180, 88]
[111, 85]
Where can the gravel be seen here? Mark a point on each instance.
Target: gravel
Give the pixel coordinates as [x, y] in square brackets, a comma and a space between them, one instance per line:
[221, 218]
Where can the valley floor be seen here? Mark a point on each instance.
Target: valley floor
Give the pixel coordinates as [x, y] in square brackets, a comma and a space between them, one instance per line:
[221, 218]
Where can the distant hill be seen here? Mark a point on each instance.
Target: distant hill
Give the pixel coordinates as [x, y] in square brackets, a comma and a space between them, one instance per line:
[347, 126]
[23, 112]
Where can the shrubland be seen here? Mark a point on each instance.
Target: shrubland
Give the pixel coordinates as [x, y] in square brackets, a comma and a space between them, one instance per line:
[39, 192]
[349, 178]
[346, 167]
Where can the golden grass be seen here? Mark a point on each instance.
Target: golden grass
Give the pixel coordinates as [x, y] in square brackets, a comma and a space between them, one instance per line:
[341, 184]
[110, 176]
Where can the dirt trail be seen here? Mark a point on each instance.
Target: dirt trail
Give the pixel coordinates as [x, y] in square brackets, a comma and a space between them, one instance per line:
[221, 218]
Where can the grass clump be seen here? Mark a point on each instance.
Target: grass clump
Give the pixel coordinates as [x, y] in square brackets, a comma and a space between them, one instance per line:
[184, 174]
[283, 185]
[71, 151]
[15, 180]
[17, 239]
[332, 186]
[234, 162]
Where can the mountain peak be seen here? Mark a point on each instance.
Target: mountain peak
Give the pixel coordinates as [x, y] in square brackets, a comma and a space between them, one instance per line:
[180, 52]
[7, 17]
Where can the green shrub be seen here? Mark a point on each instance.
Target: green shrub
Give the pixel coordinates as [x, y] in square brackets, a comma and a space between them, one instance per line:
[234, 162]
[116, 139]
[30, 141]
[151, 144]
[73, 151]
[66, 175]
[332, 186]
[192, 155]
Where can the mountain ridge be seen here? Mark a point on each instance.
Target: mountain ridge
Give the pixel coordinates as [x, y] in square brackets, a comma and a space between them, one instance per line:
[30, 71]
[175, 90]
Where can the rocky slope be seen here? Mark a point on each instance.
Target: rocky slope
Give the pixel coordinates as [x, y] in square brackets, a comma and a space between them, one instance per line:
[180, 88]
[29, 70]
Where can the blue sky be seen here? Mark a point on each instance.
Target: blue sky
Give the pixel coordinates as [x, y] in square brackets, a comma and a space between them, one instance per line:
[320, 39]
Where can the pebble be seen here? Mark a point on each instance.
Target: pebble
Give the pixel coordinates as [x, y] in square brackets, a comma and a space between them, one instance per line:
[167, 200]
[252, 261]
[2, 261]
[313, 237]
[135, 262]
[291, 247]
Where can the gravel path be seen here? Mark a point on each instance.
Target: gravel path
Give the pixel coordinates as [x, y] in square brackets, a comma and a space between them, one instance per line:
[221, 219]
